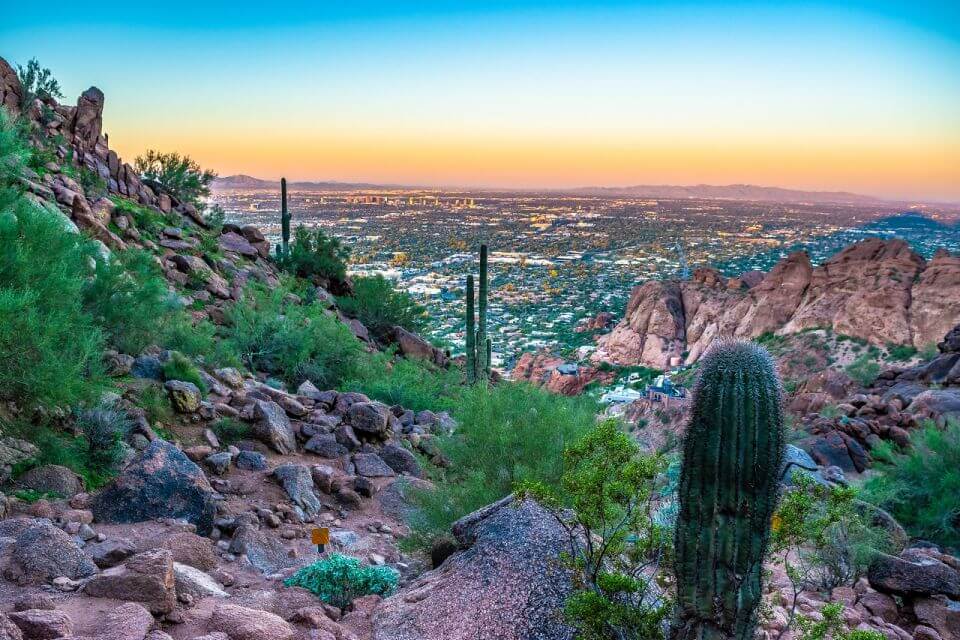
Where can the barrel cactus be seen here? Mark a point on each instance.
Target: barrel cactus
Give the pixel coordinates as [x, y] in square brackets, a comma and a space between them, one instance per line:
[728, 493]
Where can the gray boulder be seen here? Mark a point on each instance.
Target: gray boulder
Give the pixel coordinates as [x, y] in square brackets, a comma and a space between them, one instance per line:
[325, 445]
[400, 460]
[251, 461]
[43, 552]
[369, 420]
[370, 465]
[298, 483]
[913, 575]
[272, 427]
[184, 396]
[506, 583]
[161, 483]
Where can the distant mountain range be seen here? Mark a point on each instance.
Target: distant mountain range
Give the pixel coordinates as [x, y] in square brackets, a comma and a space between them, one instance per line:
[747, 192]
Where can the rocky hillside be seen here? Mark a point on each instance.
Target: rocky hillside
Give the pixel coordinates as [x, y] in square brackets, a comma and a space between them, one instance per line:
[877, 290]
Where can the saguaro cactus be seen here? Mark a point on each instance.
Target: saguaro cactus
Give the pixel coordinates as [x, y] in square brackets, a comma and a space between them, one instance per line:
[728, 493]
[284, 218]
[479, 347]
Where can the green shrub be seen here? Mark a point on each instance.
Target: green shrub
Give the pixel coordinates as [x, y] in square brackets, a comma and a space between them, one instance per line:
[179, 367]
[315, 254]
[129, 299]
[920, 487]
[339, 580]
[900, 352]
[102, 431]
[230, 431]
[37, 82]
[864, 370]
[178, 174]
[929, 351]
[606, 495]
[50, 347]
[379, 306]
[409, 383]
[830, 625]
[155, 403]
[507, 434]
[293, 341]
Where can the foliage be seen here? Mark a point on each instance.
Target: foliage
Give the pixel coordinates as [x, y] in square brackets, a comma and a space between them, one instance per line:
[178, 174]
[179, 367]
[37, 82]
[900, 352]
[102, 431]
[864, 370]
[929, 351]
[314, 254]
[127, 297]
[294, 341]
[229, 430]
[409, 383]
[831, 625]
[920, 487]
[821, 538]
[148, 221]
[605, 503]
[155, 404]
[507, 434]
[340, 579]
[379, 306]
[50, 347]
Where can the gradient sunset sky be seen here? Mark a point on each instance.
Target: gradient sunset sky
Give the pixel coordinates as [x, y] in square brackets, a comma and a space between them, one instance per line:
[856, 96]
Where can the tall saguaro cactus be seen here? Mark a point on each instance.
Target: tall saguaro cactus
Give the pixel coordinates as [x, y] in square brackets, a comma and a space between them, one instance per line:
[284, 218]
[479, 347]
[728, 493]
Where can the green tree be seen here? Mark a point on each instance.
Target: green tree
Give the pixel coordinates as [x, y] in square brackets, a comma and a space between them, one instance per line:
[37, 82]
[604, 503]
[178, 174]
[314, 254]
[380, 306]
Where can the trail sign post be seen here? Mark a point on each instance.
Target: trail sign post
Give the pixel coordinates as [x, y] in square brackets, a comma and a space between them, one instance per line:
[320, 537]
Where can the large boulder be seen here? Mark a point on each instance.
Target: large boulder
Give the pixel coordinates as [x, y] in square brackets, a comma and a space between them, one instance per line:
[161, 483]
[42, 552]
[42, 624]
[505, 584]
[370, 420]
[184, 396]
[263, 552]
[190, 549]
[241, 623]
[400, 459]
[913, 574]
[146, 578]
[192, 582]
[273, 428]
[413, 346]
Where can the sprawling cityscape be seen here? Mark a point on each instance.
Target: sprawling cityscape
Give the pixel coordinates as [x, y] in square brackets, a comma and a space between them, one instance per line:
[557, 260]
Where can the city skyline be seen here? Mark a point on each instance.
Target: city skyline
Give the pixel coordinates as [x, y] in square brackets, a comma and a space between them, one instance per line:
[529, 95]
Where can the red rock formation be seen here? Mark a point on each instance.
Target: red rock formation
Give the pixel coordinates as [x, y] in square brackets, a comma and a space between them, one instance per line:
[878, 290]
[542, 370]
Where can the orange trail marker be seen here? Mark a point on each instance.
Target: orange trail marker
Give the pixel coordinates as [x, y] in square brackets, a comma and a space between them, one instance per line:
[320, 537]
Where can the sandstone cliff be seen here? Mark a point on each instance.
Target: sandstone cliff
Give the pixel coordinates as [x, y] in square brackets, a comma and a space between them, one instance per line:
[878, 290]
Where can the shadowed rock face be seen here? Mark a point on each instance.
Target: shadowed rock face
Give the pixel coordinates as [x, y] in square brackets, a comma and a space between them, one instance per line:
[506, 585]
[161, 483]
[878, 290]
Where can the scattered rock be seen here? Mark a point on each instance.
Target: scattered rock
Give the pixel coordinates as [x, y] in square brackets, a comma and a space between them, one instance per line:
[43, 552]
[195, 583]
[184, 396]
[400, 460]
[240, 623]
[273, 427]
[370, 465]
[52, 478]
[927, 576]
[298, 483]
[146, 578]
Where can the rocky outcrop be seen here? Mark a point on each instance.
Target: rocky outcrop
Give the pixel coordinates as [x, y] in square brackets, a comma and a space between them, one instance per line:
[877, 290]
[557, 375]
[504, 584]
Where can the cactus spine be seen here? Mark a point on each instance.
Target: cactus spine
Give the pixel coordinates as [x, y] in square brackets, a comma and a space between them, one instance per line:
[728, 492]
[284, 218]
[479, 347]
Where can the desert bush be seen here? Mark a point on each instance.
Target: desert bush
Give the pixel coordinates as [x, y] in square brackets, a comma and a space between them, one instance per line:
[178, 174]
[293, 341]
[179, 367]
[128, 298]
[409, 383]
[831, 626]
[315, 254]
[230, 430]
[864, 370]
[507, 434]
[340, 579]
[605, 504]
[102, 430]
[379, 306]
[37, 82]
[901, 352]
[155, 404]
[920, 487]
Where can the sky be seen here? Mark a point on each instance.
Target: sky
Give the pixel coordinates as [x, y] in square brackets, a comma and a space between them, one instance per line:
[858, 96]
